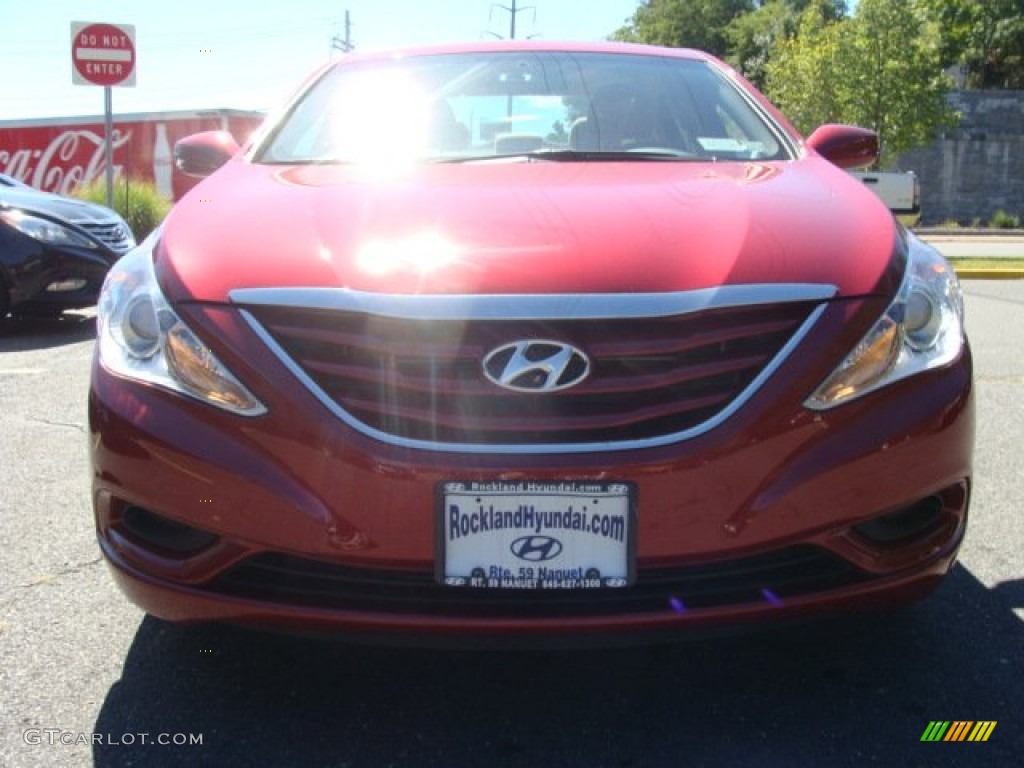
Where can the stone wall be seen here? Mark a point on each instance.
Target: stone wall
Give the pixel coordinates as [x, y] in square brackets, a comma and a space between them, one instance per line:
[978, 168]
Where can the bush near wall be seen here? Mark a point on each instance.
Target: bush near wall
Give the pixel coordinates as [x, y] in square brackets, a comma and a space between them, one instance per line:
[1003, 220]
[136, 201]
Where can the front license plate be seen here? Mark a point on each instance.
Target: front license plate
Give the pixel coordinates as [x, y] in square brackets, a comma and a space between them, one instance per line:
[535, 535]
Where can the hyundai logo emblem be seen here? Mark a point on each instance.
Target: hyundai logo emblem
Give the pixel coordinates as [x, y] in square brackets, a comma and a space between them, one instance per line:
[536, 366]
[536, 549]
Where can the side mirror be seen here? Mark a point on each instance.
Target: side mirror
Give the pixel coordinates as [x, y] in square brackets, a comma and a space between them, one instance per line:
[201, 154]
[845, 145]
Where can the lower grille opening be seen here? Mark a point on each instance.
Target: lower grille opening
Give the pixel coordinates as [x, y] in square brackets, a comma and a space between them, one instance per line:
[163, 534]
[772, 578]
[905, 525]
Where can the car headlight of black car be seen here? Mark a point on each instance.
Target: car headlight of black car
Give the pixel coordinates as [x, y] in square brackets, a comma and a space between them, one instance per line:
[921, 329]
[142, 338]
[45, 230]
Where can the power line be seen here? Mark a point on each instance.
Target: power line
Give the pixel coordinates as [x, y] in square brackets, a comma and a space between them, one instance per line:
[344, 44]
[513, 12]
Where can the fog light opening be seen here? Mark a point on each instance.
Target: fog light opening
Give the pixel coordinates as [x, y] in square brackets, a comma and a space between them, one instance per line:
[164, 534]
[66, 286]
[904, 525]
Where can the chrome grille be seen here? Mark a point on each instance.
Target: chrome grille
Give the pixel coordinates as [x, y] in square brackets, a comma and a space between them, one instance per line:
[422, 381]
[113, 234]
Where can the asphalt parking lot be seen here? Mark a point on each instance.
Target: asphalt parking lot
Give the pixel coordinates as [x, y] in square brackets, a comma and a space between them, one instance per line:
[87, 679]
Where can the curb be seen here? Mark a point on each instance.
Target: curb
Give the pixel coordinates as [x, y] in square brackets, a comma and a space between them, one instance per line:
[972, 273]
[926, 232]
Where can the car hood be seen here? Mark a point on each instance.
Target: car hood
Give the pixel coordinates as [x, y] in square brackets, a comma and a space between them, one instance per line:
[527, 227]
[55, 206]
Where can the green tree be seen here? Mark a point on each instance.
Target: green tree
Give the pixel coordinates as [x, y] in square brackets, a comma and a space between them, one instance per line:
[894, 63]
[882, 69]
[697, 24]
[754, 35]
[1001, 48]
[804, 75]
[956, 19]
[986, 36]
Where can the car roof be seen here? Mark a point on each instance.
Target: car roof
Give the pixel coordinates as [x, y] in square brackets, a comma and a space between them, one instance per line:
[10, 181]
[506, 46]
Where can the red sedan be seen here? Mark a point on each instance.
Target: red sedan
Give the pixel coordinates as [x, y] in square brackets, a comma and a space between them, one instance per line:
[529, 341]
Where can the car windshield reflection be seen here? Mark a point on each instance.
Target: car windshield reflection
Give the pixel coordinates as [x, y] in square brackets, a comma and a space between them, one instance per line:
[534, 105]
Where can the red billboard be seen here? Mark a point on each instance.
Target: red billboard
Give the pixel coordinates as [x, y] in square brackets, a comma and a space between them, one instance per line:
[61, 154]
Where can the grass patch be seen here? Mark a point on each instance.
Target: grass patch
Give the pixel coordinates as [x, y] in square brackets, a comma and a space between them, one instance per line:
[986, 262]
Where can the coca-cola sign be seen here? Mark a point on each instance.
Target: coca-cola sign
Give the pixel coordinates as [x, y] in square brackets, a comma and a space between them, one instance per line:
[72, 158]
[61, 158]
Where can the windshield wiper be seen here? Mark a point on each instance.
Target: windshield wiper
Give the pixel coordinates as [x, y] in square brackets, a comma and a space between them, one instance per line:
[580, 156]
[303, 161]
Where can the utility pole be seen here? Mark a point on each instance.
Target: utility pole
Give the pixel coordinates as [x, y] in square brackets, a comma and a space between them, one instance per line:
[513, 12]
[345, 44]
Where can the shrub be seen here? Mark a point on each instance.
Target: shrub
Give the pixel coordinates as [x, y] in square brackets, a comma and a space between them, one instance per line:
[1002, 220]
[138, 203]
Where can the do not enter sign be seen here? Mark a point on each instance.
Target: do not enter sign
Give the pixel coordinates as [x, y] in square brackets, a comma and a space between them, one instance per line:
[102, 54]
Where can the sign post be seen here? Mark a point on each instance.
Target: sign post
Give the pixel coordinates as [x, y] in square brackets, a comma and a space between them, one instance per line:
[104, 54]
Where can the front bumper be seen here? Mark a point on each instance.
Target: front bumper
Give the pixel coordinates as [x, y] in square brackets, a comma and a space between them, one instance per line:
[427, 625]
[296, 520]
[31, 267]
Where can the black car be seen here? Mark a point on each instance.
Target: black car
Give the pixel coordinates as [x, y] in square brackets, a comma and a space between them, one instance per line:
[54, 250]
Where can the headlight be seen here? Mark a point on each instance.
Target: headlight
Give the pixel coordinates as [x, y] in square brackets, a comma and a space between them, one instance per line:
[142, 338]
[921, 329]
[45, 230]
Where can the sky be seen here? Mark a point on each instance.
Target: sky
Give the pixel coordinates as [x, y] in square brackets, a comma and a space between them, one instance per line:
[248, 54]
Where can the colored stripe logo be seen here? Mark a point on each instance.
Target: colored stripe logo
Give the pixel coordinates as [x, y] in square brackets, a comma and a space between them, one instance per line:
[958, 730]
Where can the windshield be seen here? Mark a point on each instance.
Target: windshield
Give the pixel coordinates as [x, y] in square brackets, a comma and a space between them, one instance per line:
[481, 106]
